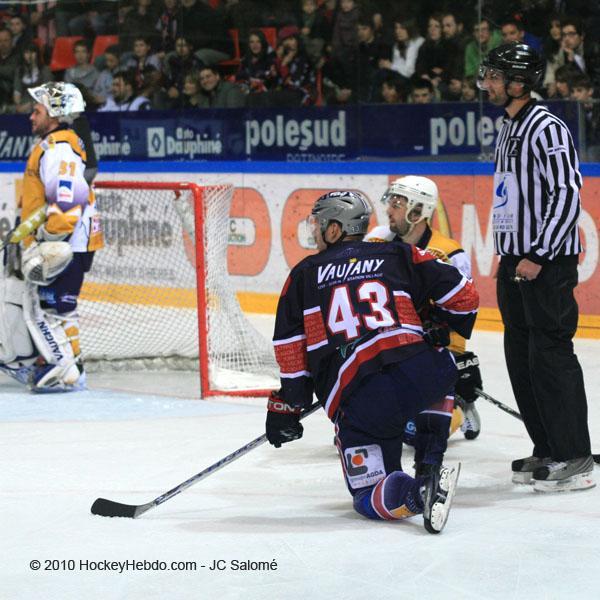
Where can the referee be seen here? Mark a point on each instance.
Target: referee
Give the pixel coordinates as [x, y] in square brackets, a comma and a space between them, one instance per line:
[536, 207]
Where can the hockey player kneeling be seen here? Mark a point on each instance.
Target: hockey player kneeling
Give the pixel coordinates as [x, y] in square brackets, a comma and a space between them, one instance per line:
[348, 331]
[39, 324]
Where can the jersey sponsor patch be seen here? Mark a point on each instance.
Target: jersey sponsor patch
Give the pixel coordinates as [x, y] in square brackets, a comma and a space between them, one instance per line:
[364, 465]
[65, 190]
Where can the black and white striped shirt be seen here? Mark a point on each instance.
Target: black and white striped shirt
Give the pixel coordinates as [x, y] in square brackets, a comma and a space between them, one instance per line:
[536, 187]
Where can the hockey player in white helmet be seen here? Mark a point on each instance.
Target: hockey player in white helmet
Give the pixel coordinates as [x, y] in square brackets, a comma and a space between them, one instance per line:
[410, 203]
[39, 325]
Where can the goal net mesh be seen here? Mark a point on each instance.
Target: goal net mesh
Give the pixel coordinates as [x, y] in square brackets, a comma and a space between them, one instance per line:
[139, 304]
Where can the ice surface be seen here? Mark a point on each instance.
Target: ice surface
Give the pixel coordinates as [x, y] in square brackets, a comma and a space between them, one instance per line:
[132, 437]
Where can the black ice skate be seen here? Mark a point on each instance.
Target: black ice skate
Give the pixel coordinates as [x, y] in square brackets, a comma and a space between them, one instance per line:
[439, 492]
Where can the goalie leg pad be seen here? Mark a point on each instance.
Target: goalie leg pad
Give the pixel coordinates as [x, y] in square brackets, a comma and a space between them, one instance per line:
[15, 341]
[50, 338]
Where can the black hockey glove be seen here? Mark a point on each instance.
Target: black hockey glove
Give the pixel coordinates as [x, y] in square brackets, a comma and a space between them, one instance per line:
[283, 422]
[469, 376]
[437, 334]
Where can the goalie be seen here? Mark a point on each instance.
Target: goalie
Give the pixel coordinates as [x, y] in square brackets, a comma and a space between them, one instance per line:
[410, 202]
[48, 254]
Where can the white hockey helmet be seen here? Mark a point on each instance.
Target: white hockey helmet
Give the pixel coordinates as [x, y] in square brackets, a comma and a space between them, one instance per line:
[60, 99]
[420, 192]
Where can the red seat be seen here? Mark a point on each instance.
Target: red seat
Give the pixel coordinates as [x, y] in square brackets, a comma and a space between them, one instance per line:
[234, 34]
[101, 43]
[62, 53]
[270, 35]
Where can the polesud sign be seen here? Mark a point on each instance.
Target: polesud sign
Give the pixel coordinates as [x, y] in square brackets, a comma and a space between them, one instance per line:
[313, 135]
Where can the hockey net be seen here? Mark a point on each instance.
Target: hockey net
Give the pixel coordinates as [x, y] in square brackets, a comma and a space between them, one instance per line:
[159, 295]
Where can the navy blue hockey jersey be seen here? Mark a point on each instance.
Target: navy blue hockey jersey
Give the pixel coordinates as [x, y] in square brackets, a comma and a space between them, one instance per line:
[350, 310]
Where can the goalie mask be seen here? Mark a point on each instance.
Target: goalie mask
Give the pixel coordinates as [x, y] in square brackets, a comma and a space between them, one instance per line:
[349, 209]
[60, 99]
[421, 196]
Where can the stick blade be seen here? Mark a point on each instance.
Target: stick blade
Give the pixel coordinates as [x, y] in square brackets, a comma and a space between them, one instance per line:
[108, 508]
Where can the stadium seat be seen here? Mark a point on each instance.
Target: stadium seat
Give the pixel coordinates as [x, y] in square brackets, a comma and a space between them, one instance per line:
[270, 35]
[101, 43]
[62, 53]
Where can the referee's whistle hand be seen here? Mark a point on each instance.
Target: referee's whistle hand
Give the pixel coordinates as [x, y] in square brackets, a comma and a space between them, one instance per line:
[527, 270]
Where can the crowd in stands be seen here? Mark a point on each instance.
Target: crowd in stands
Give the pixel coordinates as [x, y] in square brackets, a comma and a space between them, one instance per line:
[175, 54]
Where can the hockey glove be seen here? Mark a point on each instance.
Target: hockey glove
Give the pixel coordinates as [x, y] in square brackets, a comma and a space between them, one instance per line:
[283, 422]
[437, 335]
[469, 376]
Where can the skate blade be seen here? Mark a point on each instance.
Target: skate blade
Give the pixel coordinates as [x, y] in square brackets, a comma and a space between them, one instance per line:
[582, 481]
[440, 510]
[523, 478]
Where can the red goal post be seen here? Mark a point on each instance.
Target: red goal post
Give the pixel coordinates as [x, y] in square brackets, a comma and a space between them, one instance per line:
[165, 259]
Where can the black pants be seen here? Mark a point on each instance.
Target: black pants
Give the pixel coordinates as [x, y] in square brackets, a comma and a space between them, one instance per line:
[540, 320]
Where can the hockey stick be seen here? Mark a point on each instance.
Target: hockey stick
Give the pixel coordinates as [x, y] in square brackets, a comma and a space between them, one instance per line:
[109, 508]
[513, 412]
[21, 231]
[499, 404]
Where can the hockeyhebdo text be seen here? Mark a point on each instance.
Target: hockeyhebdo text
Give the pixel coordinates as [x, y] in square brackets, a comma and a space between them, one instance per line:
[462, 131]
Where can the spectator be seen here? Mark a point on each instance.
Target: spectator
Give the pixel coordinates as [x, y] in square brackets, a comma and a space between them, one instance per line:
[393, 90]
[552, 51]
[190, 94]
[450, 89]
[30, 73]
[295, 79]
[512, 30]
[167, 27]
[83, 72]
[103, 86]
[9, 61]
[421, 91]
[455, 41]
[21, 34]
[469, 90]
[245, 16]
[257, 68]
[344, 41]
[206, 30]
[371, 50]
[86, 17]
[123, 97]
[313, 30]
[485, 38]
[140, 21]
[178, 65]
[583, 92]
[574, 52]
[564, 77]
[216, 93]
[432, 59]
[405, 48]
[150, 85]
[95, 18]
[141, 59]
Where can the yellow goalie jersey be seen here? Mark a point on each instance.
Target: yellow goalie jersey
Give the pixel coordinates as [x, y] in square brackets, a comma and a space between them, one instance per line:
[54, 179]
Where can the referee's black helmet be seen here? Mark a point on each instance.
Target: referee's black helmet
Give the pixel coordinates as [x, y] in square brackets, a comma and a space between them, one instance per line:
[518, 62]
